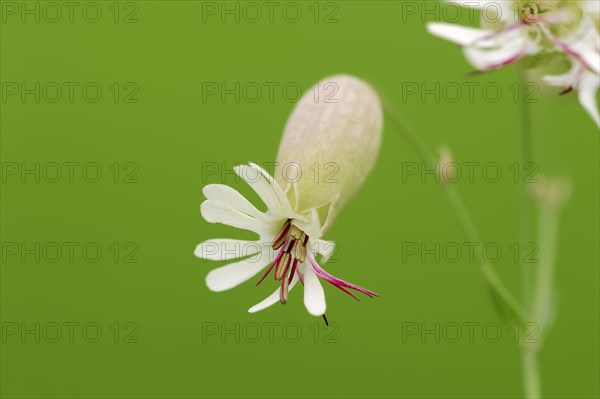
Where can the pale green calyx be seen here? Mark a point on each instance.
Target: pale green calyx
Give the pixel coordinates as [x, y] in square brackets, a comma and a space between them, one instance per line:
[330, 145]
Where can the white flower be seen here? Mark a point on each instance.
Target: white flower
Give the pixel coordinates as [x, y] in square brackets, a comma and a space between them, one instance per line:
[346, 132]
[584, 75]
[518, 35]
[534, 29]
[585, 81]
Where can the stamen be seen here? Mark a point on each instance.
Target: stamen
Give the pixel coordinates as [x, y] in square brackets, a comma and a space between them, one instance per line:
[336, 282]
[300, 276]
[290, 246]
[291, 242]
[283, 294]
[296, 232]
[300, 252]
[277, 259]
[294, 265]
[283, 266]
[280, 239]
[267, 272]
[566, 91]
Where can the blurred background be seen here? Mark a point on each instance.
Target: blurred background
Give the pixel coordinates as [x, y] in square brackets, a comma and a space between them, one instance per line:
[114, 115]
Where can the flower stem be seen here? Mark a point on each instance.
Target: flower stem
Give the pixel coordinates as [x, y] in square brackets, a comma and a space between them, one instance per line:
[543, 300]
[531, 374]
[529, 352]
[525, 209]
[459, 209]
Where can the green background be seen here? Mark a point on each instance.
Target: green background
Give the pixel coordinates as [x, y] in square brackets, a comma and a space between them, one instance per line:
[170, 133]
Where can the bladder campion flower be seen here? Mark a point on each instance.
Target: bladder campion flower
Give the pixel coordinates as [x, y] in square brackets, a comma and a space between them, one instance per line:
[338, 123]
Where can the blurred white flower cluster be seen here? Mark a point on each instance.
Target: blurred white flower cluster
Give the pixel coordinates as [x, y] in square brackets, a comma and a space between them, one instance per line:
[529, 32]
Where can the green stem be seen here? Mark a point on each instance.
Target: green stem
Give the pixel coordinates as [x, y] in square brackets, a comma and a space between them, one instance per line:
[525, 209]
[529, 352]
[472, 235]
[531, 374]
[409, 134]
[542, 300]
[544, 278]
[459, 209]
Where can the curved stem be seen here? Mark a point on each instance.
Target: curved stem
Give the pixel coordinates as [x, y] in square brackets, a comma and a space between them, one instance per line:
[459, 208]
[486, 269]
[408, 133]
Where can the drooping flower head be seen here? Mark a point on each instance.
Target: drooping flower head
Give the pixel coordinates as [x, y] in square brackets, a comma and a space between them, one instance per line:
[329, 146]
[530, 33]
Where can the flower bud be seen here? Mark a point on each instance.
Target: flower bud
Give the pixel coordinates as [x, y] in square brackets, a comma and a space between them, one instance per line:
[330, 145]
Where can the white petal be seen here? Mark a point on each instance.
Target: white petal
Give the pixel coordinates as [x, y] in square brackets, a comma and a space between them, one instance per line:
[314, 296]
[279, 193]
[459, 34]
[565, 80]
[213, 212]
[261, 185]
[505, 48]
[587, 94]
[273, 298]
[224, 249]
[586, 44]
[226, 277]
[590, 56]
[230, 198]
